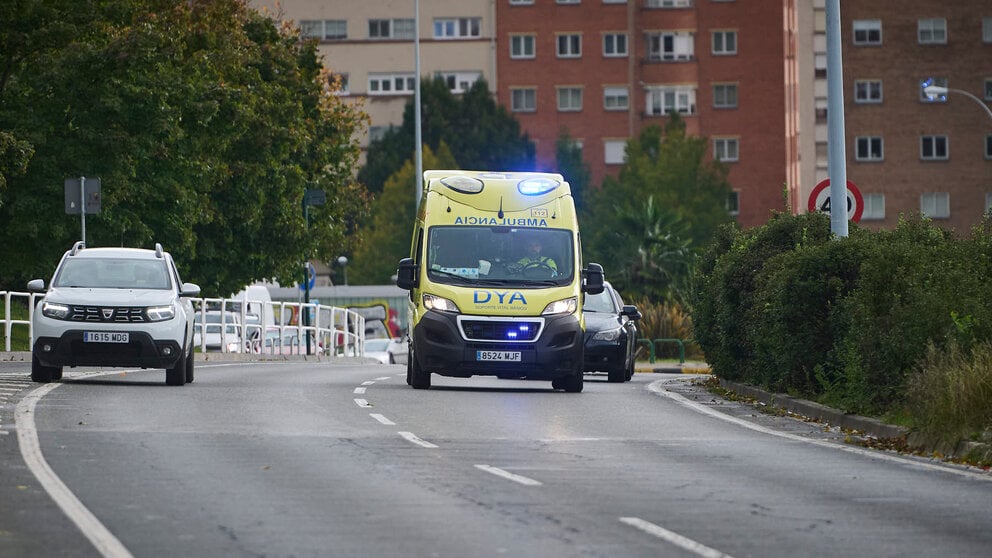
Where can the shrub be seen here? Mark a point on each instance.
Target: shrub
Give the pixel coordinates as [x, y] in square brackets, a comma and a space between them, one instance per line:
[950, 395]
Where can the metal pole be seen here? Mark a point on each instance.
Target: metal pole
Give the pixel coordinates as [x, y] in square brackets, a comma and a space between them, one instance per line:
[82, 205]
[305, 318]
[988, 111]
[416, 106]
[836, 152]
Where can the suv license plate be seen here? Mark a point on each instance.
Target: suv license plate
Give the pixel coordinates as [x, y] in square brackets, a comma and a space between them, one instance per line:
[510, 356]
[106, 337]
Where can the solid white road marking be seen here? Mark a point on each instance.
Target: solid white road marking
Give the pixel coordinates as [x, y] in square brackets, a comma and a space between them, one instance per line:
[362, 403]
[659, 389]
[27, 436]
[508, 475]
[382, 419]
[674, 538]
[359, 390]
[411, 437]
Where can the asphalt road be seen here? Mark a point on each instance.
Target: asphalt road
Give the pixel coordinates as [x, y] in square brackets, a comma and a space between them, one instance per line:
[314, 459]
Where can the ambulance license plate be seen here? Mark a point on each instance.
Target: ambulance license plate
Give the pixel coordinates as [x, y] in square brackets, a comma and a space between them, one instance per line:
[507, 356]
[106, 337]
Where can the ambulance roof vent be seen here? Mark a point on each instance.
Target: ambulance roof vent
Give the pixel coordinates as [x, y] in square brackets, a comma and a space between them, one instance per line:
[463, 184]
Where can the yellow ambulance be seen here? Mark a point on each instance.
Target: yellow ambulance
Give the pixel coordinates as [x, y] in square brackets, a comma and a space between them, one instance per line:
[496, 280]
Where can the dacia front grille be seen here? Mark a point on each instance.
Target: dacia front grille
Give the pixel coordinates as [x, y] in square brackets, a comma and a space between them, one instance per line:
[108, 314]
[498, 330]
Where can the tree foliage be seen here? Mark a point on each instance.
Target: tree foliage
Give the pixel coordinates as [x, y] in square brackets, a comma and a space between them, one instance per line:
[206, 121]
[481, 134]
[649, 225]
[387, 237]
[568, 155]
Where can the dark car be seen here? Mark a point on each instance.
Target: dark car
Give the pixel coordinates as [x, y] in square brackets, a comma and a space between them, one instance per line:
[611, 334]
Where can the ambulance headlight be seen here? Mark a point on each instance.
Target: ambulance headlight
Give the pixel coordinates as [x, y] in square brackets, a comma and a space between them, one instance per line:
[439, 304]
[463, 184]
[566, 306]
[536, 186]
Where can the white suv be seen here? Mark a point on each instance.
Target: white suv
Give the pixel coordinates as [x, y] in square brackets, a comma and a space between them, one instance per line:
[114, 307]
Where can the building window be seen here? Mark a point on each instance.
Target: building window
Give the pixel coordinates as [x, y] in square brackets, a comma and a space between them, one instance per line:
[868, 148]
[391, 84]
[734, 203]
[522, 46]
[988, 146]
[725, 95]
[327, 30]
[523, 99]
[569, 45]
[932, 31]
[867, 31]
[874, 207]
[933, 148]
[391, 28]
[942, 82]
[568, 1]
[339, 84]
[521, 2]
[988, 89]
[376, 133]
[617, 98]
[670, 45]
[988, 202]
[724, 42]
[935, 205]
[668, 3]
[661, 100]
[987, 29]
[459, 82]
[614, 152]
[867, 91]
[614, 45]
[569, 99]
[726, 149]
[457, 28]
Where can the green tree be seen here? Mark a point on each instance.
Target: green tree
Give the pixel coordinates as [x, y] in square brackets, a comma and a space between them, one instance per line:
[481, 134]
[387, 237]
[206, 122]
[655, 218]
[568, 155]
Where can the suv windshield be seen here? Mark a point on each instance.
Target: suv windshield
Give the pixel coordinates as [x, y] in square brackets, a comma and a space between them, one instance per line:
[113, 273]
[484, 255]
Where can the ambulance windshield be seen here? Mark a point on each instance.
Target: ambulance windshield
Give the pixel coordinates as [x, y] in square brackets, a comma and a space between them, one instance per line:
[486, 255]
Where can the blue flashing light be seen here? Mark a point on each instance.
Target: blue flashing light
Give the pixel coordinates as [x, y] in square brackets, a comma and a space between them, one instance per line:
[536, 186]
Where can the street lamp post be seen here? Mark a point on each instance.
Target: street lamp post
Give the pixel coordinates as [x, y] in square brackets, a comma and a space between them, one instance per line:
[343, 261]
[937, 91]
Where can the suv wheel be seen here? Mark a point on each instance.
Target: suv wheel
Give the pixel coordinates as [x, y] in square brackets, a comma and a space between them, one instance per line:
[176, 376]
[44, 374]
[189, 366]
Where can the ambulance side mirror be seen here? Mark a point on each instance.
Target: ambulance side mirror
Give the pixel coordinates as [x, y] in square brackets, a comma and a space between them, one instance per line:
[406, 274]
[592, 279]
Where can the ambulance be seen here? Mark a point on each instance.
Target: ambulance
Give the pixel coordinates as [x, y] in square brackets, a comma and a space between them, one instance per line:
[496, 280]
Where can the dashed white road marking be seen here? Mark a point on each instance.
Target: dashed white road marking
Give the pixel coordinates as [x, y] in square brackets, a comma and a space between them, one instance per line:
[359, 390]
[508, 475]
[368, 382]
[382, 378]
[382, 419]
[411, 437]
[362, 403]
[674, 538]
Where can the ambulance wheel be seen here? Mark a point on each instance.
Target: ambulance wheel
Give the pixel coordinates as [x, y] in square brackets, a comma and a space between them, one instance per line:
[571, 384]
[419, 378]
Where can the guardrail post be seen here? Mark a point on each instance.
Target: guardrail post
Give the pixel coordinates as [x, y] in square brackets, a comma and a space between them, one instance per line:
[680, 344]
[650, 346]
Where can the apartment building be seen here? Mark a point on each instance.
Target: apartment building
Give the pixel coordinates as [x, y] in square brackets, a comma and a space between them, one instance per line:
[369, 45]
[605, 69]
[907, 152]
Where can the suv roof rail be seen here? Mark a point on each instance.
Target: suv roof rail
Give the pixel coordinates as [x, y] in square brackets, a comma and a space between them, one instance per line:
[158, 250]
[79, 245]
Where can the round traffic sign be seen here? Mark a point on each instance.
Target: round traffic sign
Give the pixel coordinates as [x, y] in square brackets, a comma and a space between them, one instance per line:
[819, 200]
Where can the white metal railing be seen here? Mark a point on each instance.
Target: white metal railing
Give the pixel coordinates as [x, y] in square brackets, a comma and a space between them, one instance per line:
[332, 331]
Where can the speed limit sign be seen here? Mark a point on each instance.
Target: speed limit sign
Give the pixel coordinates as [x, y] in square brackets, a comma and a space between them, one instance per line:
[819, 200]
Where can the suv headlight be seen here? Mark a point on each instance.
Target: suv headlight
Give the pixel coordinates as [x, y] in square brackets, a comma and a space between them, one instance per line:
[161, 313]
[566, 306]
[56, 311]
[608, 335]
[432, 302]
